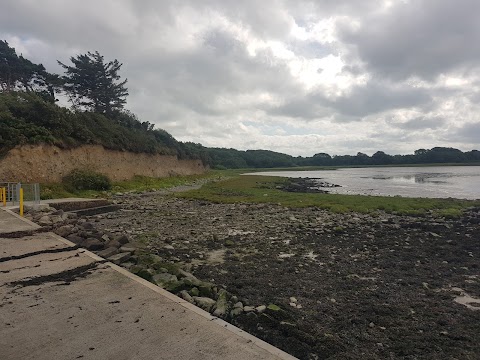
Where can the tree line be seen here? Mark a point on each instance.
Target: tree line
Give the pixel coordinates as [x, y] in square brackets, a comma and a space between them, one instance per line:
[29, 115]
[237, 159]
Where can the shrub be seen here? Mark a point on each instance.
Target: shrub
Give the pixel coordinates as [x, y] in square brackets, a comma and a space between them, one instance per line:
[86, 180]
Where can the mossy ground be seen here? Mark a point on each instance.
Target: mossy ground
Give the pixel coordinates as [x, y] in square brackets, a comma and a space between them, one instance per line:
[228, 186]
[264, 189]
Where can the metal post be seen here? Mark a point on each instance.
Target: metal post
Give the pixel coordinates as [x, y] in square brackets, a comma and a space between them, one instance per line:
[21, 201]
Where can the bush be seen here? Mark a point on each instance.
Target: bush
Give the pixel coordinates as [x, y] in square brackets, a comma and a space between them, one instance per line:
[86, 180]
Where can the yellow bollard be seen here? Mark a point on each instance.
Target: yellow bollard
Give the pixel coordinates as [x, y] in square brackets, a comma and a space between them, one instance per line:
[21, 202]
[3, 195]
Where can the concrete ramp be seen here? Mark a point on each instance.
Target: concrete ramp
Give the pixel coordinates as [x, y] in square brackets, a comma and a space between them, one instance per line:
[60, 302]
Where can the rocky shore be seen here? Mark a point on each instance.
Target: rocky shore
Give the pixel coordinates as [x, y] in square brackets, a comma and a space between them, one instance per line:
[314, 283]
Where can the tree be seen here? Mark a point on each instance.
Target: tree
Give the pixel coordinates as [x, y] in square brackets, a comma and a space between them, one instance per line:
[18, 73]
[93, 84]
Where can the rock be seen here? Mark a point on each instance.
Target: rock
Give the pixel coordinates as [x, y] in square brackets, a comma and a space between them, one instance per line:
[120, 258]
[192, 281]
[260, 309]
[45, 220]
[87, 226]
[237, 305]
[105, 238]
[108, 252]
[184, 274]
[206, 289]
[293, 300]
[248, 309]
[131, 250]
[75, 238]
[194, 291]
[123, 239]
[186, 296]
[64, 230]
[58, 212]
[273, 307]
[164, 278]
[168, 282]
[236, 312]
[113, 243]
[204, 302]
[92, 244]
[221, 306]
[146, 274]
[169, 247]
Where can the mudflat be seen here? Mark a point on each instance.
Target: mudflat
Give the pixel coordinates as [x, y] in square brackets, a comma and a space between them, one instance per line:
[339, 286]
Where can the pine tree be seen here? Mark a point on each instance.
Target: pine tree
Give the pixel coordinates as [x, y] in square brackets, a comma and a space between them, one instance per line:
[20, 74]
[93, 84]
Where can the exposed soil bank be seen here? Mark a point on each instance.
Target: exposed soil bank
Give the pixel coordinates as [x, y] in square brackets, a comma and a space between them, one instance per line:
[349, 286]
[47, 163]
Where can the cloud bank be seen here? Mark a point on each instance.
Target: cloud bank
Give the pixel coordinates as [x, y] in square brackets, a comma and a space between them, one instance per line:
[299, 77]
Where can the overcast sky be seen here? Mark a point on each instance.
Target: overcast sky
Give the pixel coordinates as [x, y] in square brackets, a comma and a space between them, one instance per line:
[299, 77]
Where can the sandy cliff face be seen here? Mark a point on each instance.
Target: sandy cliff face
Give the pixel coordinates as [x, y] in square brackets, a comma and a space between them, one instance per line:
[46, 163]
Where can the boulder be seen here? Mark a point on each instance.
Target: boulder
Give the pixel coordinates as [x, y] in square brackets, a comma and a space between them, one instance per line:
[45, 220]
[221, 306]
[75, 238]
[164, 278]
[108, 252]
[122, 239]
[204, 303]
[186, 296]
[129, 249]
[236, 312]
[56, 219]
[92, 244]
[113, 243]
[64, 231]
[120, 258]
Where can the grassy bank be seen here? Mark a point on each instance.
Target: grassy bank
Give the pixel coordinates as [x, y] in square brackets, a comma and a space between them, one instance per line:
[263, 189]
[136, 184]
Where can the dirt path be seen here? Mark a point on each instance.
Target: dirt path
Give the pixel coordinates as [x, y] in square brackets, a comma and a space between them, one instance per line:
[347, 286]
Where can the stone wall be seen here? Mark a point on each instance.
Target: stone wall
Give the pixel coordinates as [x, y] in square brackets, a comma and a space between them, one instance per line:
[46, 163]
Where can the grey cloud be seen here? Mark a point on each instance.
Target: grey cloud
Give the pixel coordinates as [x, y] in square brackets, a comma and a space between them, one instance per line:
[469, 132]
[200, 85]
[422, 38]
[420, 123]
[377, 97]
[221, 69]
[361, 101]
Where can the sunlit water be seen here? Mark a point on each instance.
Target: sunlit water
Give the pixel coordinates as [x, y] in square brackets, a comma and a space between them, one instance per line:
[462, 182]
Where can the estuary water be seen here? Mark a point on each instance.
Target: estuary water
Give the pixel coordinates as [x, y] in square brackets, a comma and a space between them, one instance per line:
[462, 182]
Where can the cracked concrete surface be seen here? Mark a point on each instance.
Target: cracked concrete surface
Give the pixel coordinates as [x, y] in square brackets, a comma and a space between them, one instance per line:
[61, 302]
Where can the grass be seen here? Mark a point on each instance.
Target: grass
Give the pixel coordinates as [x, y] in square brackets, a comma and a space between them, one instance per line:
[227, 186]
[264, 189]
[136, 184]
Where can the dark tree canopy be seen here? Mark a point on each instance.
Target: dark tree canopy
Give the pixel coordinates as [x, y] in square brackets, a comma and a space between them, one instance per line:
[93, 84]
[20, 74]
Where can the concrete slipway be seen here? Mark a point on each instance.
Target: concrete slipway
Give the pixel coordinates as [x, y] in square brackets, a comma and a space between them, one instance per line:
[61, 302]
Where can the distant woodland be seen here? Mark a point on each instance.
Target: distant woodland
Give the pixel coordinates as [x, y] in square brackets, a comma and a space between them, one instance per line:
[29, 114]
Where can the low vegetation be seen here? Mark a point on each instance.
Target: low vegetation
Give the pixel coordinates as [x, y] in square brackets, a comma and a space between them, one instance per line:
[79, 180]
[262, 189]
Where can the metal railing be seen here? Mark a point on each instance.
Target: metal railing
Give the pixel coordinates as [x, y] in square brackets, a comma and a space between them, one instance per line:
[18, 194]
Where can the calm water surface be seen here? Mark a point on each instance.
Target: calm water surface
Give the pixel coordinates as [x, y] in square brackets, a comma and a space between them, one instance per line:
[462, 182]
